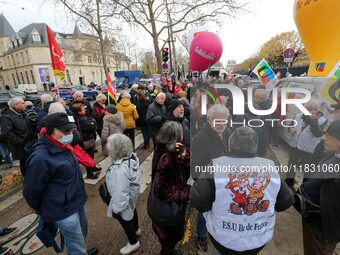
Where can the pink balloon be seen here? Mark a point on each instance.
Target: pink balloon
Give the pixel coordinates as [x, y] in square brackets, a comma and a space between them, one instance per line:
[205, 50]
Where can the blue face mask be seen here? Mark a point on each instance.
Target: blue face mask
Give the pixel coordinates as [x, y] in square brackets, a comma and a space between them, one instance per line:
[66, 139]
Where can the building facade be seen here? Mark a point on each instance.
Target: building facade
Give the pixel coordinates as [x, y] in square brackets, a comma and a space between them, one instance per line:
[25, 56]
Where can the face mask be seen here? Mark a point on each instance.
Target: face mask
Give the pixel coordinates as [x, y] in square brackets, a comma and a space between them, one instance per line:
[66, 139]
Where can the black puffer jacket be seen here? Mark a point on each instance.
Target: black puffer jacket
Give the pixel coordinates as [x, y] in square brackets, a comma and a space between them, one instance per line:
[18, 133]
[155, 118]
[87, 127]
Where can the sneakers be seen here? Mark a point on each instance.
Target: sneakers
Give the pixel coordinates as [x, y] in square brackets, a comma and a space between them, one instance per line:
[202, 244]
[7, 231]
[4, 250]
[129, 248]
[138, 232]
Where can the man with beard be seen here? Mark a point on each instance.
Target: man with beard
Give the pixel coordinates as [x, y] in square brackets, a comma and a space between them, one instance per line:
[207, 145]
[176, 113]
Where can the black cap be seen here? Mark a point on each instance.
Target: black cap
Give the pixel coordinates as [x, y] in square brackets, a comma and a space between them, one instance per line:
[334, 129]
[174, 103]
[59, 121]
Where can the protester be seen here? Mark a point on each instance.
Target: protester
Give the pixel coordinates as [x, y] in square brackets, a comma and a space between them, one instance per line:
[178, 88]
[170, 171]
[133, 93]
[87, 127]
[155, 116]
[78, 97]
[321, 225]
[176, 113]
[113, 124]
[54, 186]
[46, 100]
[306, 136]
[210, 143]
[261, 98]
[130, 116]
[17, 131]
[142, 106]
[99, 112]
[236, 198]
[31, 116]
[123, 183]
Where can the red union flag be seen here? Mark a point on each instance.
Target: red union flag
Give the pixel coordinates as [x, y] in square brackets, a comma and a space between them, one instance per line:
[111, 89]
[58, 64]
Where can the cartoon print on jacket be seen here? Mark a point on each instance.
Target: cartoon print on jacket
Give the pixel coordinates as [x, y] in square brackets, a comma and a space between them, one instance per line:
[248, 198]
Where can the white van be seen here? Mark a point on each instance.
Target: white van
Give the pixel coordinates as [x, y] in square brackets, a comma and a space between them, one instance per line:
[312, 84]
[27, 88]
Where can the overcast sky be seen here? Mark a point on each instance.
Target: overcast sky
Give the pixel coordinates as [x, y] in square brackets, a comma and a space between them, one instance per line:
[241, 37]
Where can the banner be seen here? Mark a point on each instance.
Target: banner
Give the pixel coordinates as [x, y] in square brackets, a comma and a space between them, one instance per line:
[58, 64]
[330, 91]
[44, 74]
[111, 89]
[264, 72]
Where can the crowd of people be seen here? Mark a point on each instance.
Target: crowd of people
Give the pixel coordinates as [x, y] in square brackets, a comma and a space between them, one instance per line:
[235, 210]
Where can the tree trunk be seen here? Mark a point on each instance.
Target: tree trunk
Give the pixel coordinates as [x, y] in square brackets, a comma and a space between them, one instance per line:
[101, 40]
[155, 38]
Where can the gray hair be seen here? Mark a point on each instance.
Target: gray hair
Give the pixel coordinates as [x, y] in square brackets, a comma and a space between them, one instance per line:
[46, 98]
[126, 94]
[28, 103]
[134, 86]
[171, 133]
[150, 86]
[159, 94]
[262, 94]
[56, 107]
[119, 146]
[100, 97]
[217, 108]
[78, 93]
[13, 102]
[243, 140]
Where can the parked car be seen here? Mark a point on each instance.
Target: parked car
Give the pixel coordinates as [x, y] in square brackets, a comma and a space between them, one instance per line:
[6, 95]
[60, 86]
[67, 93]
[312, 84]
[27, 88]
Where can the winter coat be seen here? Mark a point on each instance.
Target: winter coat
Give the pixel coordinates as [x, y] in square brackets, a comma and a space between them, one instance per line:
[113, 123]
[323, 189]
[129, 112]
[99, 112]
[87, 127]
[18, 133]
[155, 117]
[171, 179]
[142, 108]
[206, 146]
[177, 90]
[89, 109]
[209, 195]
[123, 183]
[53, 184]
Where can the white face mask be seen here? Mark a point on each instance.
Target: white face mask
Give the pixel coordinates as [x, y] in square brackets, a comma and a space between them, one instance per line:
[66, 139]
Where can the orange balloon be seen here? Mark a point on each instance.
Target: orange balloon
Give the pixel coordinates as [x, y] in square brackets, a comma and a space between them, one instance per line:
[318, 22]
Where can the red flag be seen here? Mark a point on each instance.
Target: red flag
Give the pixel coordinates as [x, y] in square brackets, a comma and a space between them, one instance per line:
[111, 89]
[58, 64]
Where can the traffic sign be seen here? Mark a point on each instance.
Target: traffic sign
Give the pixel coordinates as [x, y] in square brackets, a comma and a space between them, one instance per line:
[288, 60]
[289, 53]
[165, 66]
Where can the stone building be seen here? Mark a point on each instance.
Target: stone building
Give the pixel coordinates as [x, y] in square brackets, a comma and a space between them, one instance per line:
[25, 56]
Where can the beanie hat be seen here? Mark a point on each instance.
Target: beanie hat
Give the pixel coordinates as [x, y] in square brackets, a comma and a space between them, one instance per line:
[111, 109]
[174, 103]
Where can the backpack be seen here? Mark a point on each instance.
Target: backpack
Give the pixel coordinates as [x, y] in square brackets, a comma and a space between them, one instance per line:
[32, 116]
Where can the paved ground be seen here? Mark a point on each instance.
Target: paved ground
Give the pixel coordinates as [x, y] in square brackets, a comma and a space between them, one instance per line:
[106, 233]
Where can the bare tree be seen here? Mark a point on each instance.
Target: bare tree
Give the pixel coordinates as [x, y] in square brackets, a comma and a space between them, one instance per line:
[97, 14]
[155, 17]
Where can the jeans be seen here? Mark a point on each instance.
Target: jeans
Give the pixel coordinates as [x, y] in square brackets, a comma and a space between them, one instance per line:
[74, 230]
[130, 227]
[5, 153]
[145, 133]
[201, 228]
